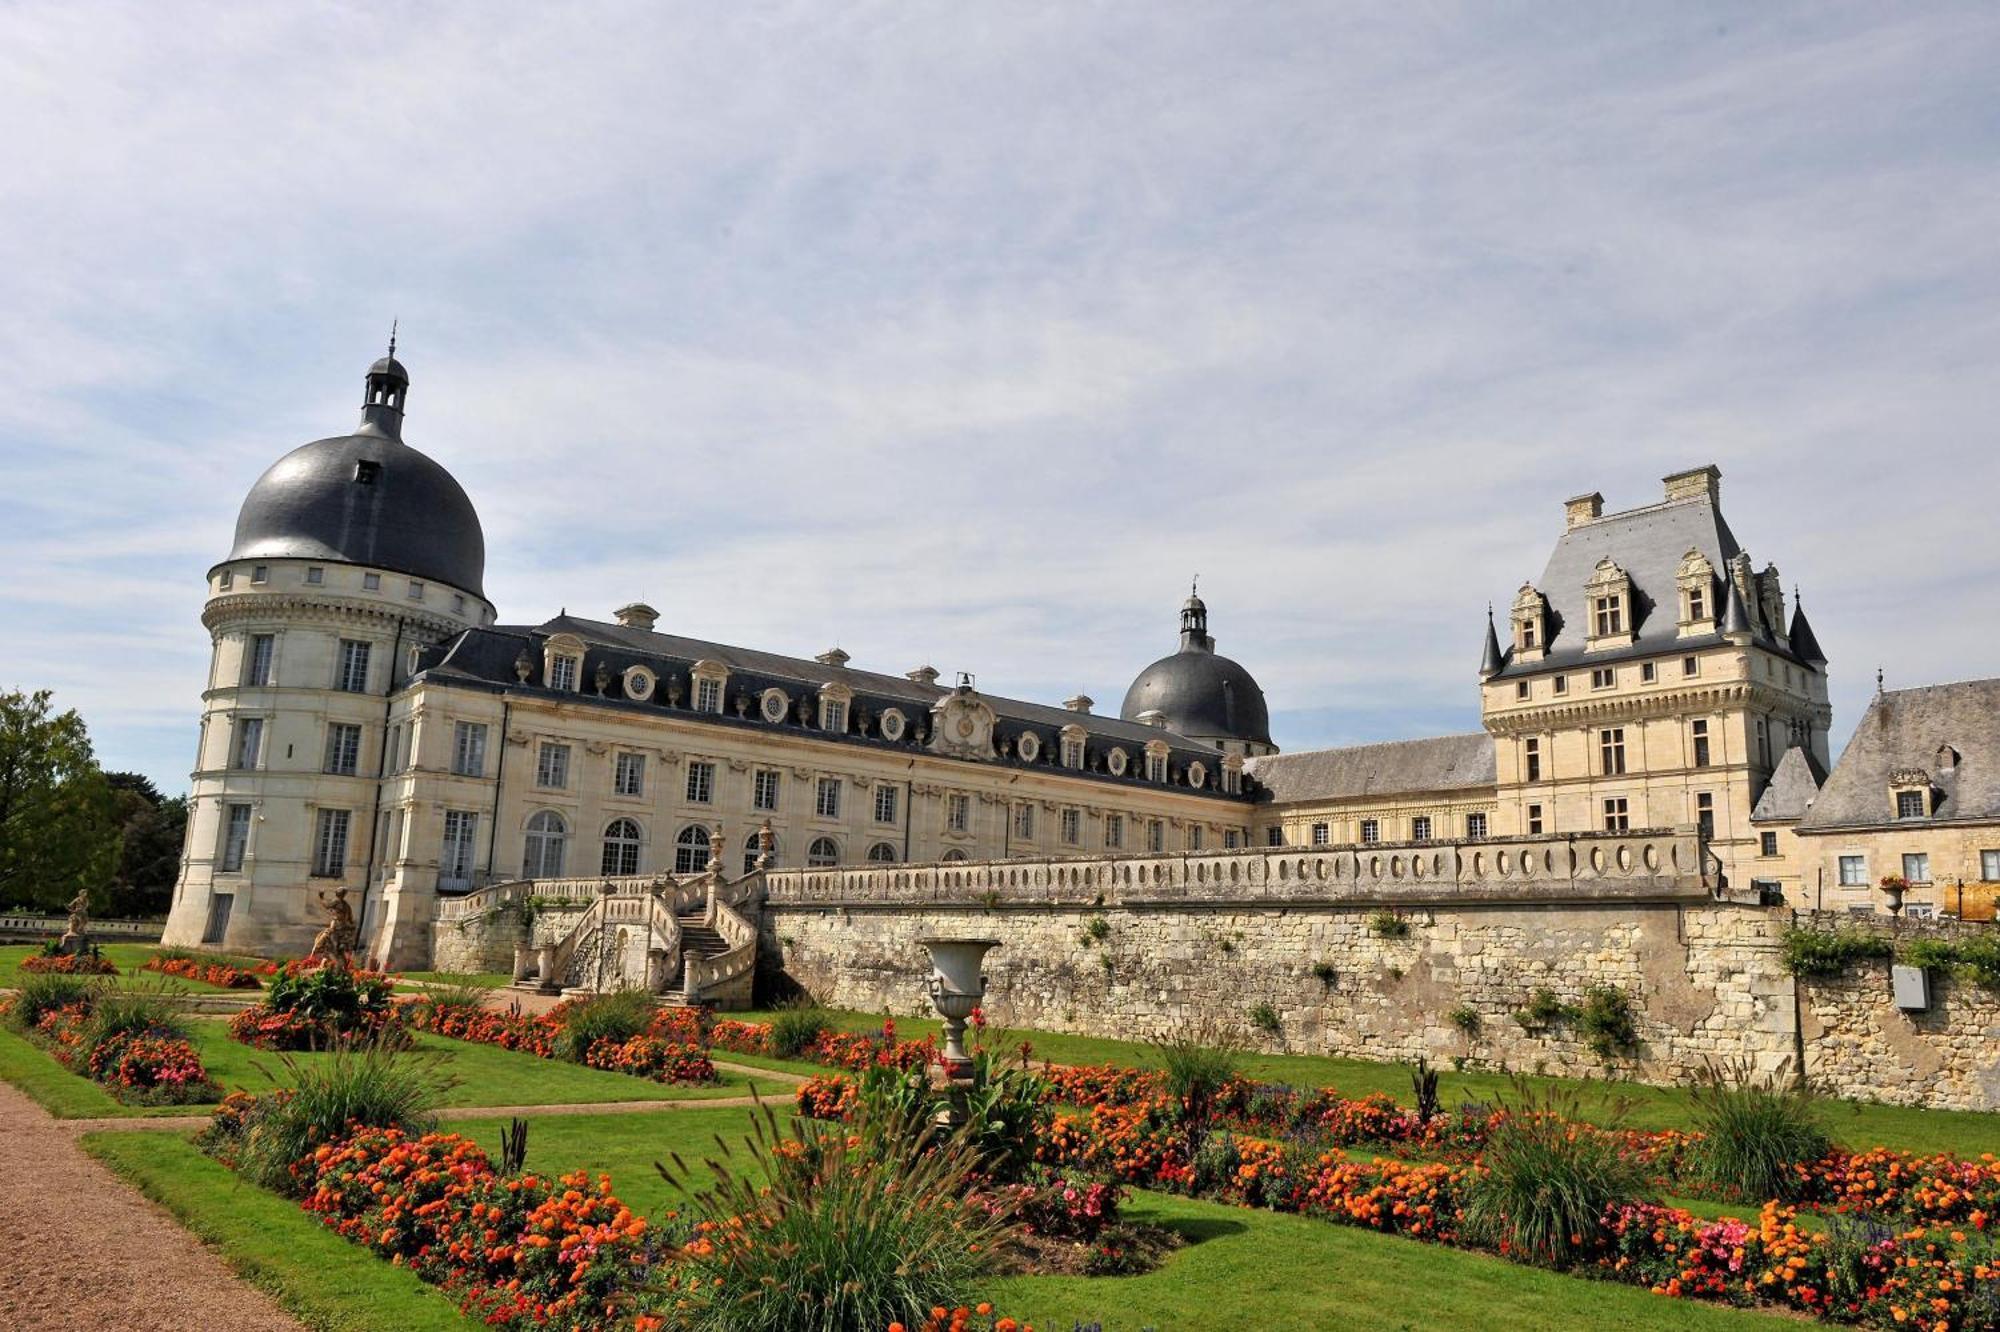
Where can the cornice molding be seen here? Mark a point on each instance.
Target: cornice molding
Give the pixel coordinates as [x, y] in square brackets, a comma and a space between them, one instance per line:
[295, 606]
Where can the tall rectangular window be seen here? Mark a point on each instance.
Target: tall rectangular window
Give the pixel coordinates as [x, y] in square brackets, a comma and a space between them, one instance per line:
[1371, 832]
[1156, 767]
[1531, 759]
[833, 716]
[701, 782]
[1231, 838]
[1611, 750]
[1917, 867]
[1610, 615]
[885, 803]
[1617, 815]
[958, 812]
[1420, 828]
[1194, 837]
[562, 674]
[1072, 752]
[1322, 834]
[628, 774]
[764, 789]
[1649, 672]
[247, 744]
[1534, 820]
[257, 663]
[1156, 836]
[353, 667]
[343, 749]
[1072, 827]
[330, 844]
[1704, 815]
[1559, 685]
[468, 749]
[708, 694]
[1690, 666]
[1114, 831]
[826, 798]
[1767, 844]
[460, 837]
[552, 766]
[1475, 825]
[1989, 865]
[1854, 871]
[1274, 836]
[235, 838]
[1909, 804]
[1024, 821]
[1700, 729]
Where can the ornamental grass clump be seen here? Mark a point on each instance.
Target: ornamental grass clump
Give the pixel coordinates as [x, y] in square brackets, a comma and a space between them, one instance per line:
[796, 1028]
[46, 992]
[616, 1017]
[818, 1231]
[1545, 1180]
[149, 1011]
[372, 1087]
[1759, 1138]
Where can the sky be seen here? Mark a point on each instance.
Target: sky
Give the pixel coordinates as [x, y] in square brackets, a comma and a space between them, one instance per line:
[968, 335]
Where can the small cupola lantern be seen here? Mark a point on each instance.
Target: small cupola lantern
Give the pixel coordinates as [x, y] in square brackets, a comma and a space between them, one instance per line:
[388, 387]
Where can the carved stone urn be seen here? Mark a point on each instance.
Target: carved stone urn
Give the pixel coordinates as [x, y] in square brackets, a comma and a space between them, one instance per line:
[956, 988]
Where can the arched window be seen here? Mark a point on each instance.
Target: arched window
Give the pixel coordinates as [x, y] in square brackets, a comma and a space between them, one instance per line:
[548, 837]
[882, 853]
[750, 853]
[954, 855]
[822, 853]
[621, 848]
[691, 850]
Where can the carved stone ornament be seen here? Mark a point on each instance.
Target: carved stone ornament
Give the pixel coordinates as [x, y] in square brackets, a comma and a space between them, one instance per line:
[962, 726]
[524, 666]
[603, 677]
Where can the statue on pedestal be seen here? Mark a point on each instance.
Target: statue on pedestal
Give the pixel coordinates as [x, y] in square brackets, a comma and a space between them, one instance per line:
[336, 941]
[76, 938]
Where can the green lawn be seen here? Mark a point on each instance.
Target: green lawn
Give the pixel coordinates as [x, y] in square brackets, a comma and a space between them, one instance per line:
[328, 1283]
[127, 957]
[1629, 1104]
[489, 980]
[486, 1075]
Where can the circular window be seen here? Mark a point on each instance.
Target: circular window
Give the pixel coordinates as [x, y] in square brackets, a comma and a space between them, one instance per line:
[638, 683]
[1029, 747]
[1117, 761]
[774, 705]
[1197, 774]
[892, 724]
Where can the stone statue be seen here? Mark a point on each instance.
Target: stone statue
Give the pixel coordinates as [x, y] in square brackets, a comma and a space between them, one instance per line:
[765, 842]
[76, 938]
[336, 941]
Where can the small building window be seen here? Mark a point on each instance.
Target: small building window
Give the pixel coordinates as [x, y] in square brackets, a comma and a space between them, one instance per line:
[1156, 836]
[826, 798]
[1024, 821]
[330, 844]
[1274, 836]
[764, 789]
[1531, 760]
[1690, 666]
[1603, 677]
[1560, 684]
[552, 766]
[1322, 834]
[1909, 805]
[701, 782]
[1072, 827]
[257, 662]
[1534, 820]
[823, 853]
[458, 602]
[226, 581]
[1648, 672]
[468, 749]
[343, 749]
[1917, 867]
[1475, 825]
[1767, 844]
[1231, 839]
[1521, 690]
[1854, 871]
[1989, 866]
[260, 573]
[1194, 837]
[371, 582]
[1420, 828]
[235, 838]
[1617, 817]
[353, 666]
[416, 590]
[1610, 615]
[1371, 832]
[1114, 831]
[691, 850]
[885, 803]
[1700, 729]
[1704, 814]
[833, 716]
[628, 774]
[958, 812]
[315, 576]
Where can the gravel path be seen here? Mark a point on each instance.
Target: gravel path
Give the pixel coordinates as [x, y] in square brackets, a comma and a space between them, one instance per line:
[81, 1249]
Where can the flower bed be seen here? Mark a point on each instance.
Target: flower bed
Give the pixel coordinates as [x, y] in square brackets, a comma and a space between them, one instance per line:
[150, 1067]
[222, 975]
[316, 1007]
[670, 1050]
[69, 964]
[853, 1051]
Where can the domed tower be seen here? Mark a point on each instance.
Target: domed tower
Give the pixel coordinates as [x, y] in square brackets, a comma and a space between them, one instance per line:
[1200, 694]
[351, 553]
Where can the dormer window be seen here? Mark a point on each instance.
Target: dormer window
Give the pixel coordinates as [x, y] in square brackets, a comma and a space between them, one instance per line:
[1530, 620]
[562, 663]
[833, 701]
[367, 472]
[1116, 762]
[1197, 775]
[563, 671]
[774, 704]
[708, 695]
[1696, 580]
[1609, 596]
[1156, 764]
[1072, 747]
[1029, 746]
[1910, 805]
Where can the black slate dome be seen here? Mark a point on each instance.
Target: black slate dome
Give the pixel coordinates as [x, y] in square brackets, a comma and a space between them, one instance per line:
[1200, 693]
[366, 498]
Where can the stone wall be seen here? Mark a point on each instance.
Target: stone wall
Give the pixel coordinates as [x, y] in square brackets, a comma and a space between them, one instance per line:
[1135, 947]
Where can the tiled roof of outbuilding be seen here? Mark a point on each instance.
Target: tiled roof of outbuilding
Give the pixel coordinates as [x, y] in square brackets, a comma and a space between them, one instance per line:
[1394, 767]
[1794, 786]
[1904, 729]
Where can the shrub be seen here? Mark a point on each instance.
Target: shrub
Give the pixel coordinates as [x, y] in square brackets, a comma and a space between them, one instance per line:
[1755, 1135]
[1465, 1017]
[45, 993]
[1196, 1063]
[1386, 924]
[133, 1012]
[1546, 1180]
[1007, 1113]
[1265, 1018]
[372, 1087]
[309, 1008]
[796, 1028]
[1606, 1021]
[1543, 1009]
[822, 1232]
[1325, 973]
[1096, 930]
[1815, 952]
[615, 1017]
[1424, 1085]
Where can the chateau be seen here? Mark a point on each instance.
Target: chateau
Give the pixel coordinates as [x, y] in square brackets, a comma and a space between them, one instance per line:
[369, 723]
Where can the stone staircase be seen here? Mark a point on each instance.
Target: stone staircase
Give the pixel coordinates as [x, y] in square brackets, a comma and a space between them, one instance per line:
[696, 937]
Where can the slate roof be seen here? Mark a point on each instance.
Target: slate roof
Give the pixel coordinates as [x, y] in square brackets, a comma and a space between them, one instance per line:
[1394, 767]
[1903, 729]
[486, 657]
[1649, 544]
[1794, 786]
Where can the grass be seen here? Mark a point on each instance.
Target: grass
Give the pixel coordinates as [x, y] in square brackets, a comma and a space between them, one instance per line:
[485, 980]
[328, 1283]
[1854, 1124]
[127, 957]
[486, 1075]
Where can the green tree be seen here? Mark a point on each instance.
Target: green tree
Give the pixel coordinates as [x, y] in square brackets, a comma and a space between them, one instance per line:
[150, 828]
[57, 832]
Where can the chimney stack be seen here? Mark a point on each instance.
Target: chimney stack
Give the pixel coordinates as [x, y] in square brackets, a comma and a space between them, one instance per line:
[1581, 509]
[1079, 703]
[1699, 483]
[638, 615]
[833, 657]
[923, 675]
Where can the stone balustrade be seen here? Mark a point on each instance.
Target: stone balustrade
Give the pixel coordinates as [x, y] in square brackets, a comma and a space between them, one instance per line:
[1655, 864]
